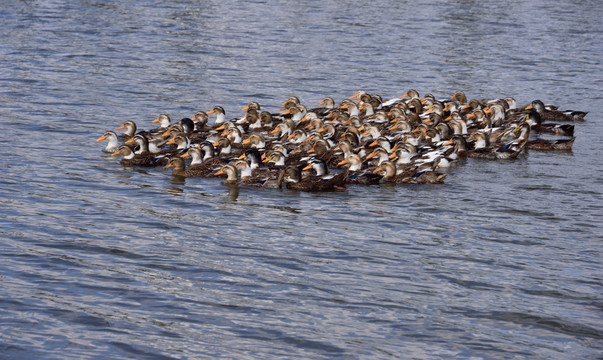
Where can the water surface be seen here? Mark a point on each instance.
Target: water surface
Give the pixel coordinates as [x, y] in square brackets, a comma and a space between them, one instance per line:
[102, 261]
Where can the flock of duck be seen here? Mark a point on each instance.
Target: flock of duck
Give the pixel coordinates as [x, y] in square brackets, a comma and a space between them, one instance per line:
[362, 140]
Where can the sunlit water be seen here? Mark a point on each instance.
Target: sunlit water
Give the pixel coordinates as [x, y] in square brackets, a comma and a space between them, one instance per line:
[102, 261]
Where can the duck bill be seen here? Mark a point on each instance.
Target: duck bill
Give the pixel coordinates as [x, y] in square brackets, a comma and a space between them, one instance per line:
[219, 172]
[101, 138]
[120, 127]
[168, 166]
[211, 111]
[242, 157]
[308, 167]
[129, 141]
[185, 155]
[116, 153]
[343, 162]
[155, 121]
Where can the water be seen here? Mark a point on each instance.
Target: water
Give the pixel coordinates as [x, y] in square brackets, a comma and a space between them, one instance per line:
[102, 261]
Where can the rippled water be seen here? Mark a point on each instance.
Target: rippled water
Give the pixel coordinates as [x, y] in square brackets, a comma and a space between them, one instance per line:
[102, 261]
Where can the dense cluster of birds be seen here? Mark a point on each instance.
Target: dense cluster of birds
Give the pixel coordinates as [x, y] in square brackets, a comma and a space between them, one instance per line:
[362, 140]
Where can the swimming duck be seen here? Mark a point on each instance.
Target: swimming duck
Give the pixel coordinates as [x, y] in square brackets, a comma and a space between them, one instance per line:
[180, 169]
[542, 144]
[410, 176]
[535, 121]
[112, 142]
[231, 174]
[163, 120]
[555, 115]
[247, 177]
[181, 141]
[130, 159]
[295, 112]
[130, 129]
[220, 114]
[460, 97]
[252, 105]
[200, 119]
[380, 154]
[255, 140]
[292, 180]
[411, 94]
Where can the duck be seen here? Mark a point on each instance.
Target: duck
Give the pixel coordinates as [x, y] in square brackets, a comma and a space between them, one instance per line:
[255, 140]
[295, 112]
[200, 120]
[535, 121]
[130, 129]
[220, 114]
[180, 169]
[292, 180]
[380, 154]
[163, 120]
[203, 163]
[411, 94]
[389, 173]
[231, 174]
[411, 176]
[254, 160]
[181, 141]
[356, 174]
[112, 142]
[326, 105]
[247, 177]
[196, 155]
[504, 152]
[291, 101]
[543, 144]
[323, 151]
[555, 115]
[267, 120]
[131, 159]
[252, 105]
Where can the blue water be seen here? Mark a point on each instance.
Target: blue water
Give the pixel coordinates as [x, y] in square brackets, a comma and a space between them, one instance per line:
[102, 261]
